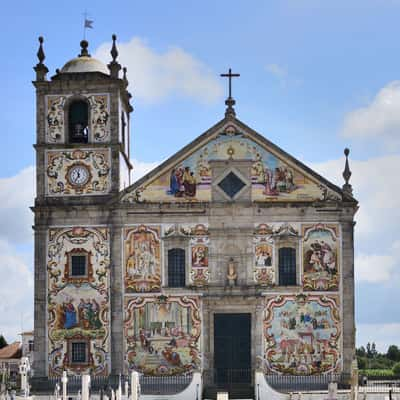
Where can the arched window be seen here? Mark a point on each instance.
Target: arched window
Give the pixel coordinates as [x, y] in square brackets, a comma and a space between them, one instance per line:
[78, 122]
[287, 266]
[176, 268]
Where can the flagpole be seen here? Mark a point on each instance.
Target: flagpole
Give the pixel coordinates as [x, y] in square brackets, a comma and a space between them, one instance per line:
[84, 24]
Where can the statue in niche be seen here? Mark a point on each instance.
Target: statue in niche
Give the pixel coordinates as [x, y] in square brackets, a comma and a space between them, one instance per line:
[231, 275]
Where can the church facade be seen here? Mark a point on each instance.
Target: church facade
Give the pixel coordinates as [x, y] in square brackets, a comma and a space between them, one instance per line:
[229, 255]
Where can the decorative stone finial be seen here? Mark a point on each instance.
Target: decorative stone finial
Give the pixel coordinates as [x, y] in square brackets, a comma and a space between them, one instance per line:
[124, 78]
[40, 69]
[114, 66]
[84, 49]
[347, 188]
[114, 51]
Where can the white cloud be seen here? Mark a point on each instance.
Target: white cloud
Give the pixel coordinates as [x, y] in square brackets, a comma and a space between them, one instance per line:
[141, 168]
[379, 120]
[16, 288]
[383, 335]
[375, 186]
[16, 196]
[154, 76]
[277, 70]
[281, 73]
[374, 267]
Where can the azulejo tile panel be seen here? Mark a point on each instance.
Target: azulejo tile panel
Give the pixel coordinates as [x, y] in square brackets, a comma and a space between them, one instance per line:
[162, 334]
[302, 334]
[77, 172]
[57, 117]
[78, 307]
[321, 257]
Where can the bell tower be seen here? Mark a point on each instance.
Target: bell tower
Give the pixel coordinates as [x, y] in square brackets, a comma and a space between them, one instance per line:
[82, 164]
[83, 118]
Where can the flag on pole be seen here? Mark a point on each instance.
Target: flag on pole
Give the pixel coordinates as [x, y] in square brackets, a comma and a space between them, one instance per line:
[88, 23]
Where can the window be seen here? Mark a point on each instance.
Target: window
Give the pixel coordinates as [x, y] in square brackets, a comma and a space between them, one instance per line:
[79, 352]
[176, 268]
[231, 184]
[287, 266]
[78, 265]
[30, 345]
[78, 121]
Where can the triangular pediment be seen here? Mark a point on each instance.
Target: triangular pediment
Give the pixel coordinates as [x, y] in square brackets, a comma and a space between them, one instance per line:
[275, 175]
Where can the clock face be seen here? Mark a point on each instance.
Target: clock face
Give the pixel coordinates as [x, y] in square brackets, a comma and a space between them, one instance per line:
[78, 175]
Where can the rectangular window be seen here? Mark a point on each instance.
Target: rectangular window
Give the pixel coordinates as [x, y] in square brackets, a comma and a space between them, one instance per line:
[30, 345]
[176, 268]
[287, 266]
[79, 352]
[78, 265]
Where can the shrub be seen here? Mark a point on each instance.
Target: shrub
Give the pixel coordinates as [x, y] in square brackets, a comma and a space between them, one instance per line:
[396, 368]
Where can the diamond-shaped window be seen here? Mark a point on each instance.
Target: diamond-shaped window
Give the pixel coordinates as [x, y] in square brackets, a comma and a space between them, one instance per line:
[231, 184]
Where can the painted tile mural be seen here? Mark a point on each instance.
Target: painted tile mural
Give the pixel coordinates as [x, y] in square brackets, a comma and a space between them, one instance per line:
[57, 115]
[55, 119]
[321, 257]
[78, 306]
[77, 172]
[190, 179]
[302, 334]
[162, 334]
[264, 270]
[142, 258]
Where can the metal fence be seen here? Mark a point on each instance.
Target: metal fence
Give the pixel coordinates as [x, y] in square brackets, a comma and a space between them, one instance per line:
[104, 384]
[294, 383]
[379, 383]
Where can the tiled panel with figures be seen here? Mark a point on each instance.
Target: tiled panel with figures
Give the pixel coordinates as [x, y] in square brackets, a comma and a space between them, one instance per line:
[162, 334]
[78, 307]
[302, 334]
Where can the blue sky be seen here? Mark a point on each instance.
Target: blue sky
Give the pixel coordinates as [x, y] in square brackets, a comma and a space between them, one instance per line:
[316, 76]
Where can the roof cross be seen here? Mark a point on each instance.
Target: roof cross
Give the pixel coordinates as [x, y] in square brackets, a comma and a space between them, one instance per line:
[230, 102]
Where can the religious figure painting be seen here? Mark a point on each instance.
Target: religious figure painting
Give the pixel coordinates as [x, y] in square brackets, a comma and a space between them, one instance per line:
[264, 270]
[142, 258]
[78, 309]
[190, 178]
[320, 257]
[302, 334]
[162, 335]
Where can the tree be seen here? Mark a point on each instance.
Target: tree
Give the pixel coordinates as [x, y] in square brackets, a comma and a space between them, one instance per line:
[361, 352]
[374, 353]
[3, 342]
[396, 368]
[393, 353]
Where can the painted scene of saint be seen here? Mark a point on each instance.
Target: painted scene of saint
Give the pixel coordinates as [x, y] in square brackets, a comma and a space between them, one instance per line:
[142, 259]
[320, 258]
[302, 335]
[163, 336]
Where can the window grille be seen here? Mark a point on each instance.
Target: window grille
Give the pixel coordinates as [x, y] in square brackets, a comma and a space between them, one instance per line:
[78, 350]
[78, 265]
[287, 266]
[176, 268]
[231, 184]
[78, 121]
